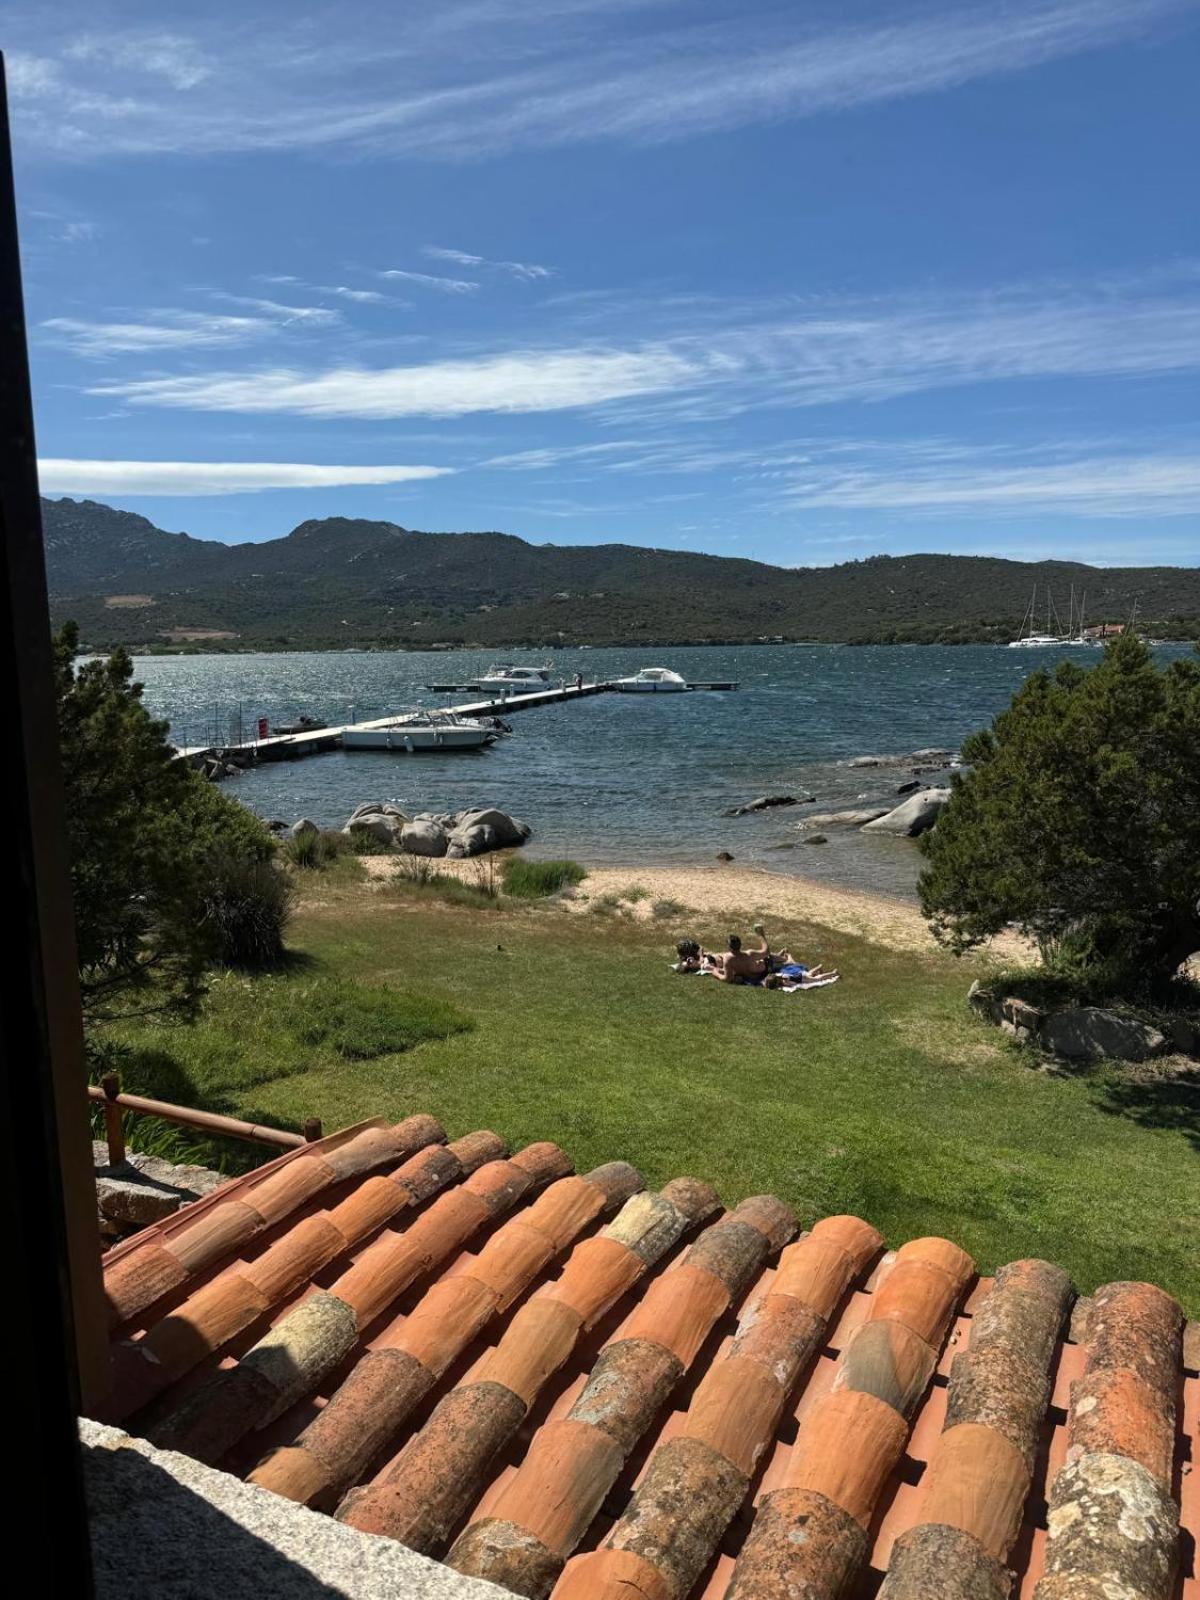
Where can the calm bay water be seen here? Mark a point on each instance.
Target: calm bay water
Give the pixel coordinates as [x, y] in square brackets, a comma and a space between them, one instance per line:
[624, 779]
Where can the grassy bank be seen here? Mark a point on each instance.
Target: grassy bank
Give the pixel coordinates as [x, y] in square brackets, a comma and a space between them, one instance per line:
[880, 1096]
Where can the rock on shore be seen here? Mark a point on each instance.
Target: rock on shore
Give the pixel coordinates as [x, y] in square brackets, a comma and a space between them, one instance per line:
[913, 816]
[846, 819]
[449, 833]
[932, 757]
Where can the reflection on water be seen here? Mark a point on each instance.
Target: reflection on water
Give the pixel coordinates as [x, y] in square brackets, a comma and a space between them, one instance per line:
[622, 778]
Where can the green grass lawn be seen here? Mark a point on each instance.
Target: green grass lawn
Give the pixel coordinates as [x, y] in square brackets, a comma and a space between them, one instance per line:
[881, 1095]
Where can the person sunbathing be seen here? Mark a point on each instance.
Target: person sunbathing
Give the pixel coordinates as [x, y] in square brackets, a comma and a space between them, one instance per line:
[742, 966]
[765, 965]
[691, 957]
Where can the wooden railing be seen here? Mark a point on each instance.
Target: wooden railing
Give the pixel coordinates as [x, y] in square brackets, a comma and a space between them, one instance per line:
[108, 1093]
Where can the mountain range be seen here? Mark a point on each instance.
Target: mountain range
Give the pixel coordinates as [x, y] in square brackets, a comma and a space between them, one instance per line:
[339, 582]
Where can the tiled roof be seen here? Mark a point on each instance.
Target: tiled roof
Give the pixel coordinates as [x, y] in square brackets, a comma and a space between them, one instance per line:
[571, 1386]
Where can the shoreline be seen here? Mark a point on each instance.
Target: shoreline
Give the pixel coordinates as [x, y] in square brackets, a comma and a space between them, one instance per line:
[737, 891]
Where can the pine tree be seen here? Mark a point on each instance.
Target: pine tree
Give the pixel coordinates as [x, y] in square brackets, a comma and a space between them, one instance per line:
[1078, 820]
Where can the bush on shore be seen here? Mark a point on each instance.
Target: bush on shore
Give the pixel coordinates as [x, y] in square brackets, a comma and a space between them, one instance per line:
[1079, 821]
[169, 876]
[534, 880]
[315, 850]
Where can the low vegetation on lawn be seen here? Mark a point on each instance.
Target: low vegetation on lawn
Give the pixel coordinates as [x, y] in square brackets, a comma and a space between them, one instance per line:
[534, 880]
[880, 1096]
[260, 1030]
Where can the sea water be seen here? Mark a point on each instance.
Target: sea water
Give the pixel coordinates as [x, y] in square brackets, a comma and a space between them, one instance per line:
[625, 779]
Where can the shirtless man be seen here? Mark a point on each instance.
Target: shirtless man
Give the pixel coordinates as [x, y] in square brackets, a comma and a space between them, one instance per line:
[738, 965]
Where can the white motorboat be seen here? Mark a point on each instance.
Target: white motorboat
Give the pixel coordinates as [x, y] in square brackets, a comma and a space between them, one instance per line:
[505, 676]
[652, 680]
[423, 731]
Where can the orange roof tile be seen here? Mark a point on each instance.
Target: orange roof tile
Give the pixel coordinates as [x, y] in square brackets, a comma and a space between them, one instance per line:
[576, 1388]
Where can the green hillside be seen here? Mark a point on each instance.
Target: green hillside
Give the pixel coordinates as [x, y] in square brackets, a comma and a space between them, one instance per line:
[342, 581]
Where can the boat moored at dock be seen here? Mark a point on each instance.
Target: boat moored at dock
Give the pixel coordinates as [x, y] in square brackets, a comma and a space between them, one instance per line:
[423, 731]
[652, 680]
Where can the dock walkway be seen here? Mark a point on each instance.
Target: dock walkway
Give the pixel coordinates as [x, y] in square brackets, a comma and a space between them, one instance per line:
[291, 746]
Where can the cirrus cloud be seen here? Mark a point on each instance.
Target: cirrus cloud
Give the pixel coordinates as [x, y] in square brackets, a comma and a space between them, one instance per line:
[516, 381]
[62, 476]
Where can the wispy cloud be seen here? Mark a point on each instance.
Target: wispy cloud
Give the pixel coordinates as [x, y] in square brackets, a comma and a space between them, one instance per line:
[1096, 486]
[315, 316]
[869, 351]
[426, 280]
[145, 52]
[538, 460]
[516, 381]
[165, 329]
[364, 297]
[160, 331]
[58, 476]
[527, 271]
[401, 83]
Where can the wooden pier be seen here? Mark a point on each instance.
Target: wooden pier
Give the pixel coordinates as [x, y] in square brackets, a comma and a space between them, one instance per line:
[313, 741]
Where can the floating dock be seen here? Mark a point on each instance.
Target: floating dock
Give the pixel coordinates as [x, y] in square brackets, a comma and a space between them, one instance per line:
[313, 741]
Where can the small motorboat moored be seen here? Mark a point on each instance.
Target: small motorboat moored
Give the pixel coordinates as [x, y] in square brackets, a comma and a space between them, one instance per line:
[652, 680]
[423, 732]
[505, 676]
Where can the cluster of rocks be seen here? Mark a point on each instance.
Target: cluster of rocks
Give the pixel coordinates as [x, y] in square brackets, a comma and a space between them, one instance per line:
[911, 817]
[144, 1189]
[449, 833]
[918, 811]
[1082, 1033]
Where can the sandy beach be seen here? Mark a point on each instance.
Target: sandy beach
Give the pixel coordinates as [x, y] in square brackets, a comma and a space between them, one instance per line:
[737, 892]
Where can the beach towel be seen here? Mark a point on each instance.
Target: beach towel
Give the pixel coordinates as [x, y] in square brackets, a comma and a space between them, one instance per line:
[757, 983]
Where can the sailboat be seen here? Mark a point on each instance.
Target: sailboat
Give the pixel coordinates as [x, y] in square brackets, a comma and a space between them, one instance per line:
[1075, 635]
[1031, 640]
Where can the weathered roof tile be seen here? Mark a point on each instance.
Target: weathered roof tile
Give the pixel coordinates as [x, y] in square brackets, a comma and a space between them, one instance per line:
[456, 1346]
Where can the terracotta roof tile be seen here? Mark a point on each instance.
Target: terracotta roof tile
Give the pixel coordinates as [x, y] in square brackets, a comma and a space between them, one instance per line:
[577, 1389]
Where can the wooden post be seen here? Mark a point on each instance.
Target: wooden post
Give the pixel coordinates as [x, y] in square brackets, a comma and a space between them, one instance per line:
[312, 1130]
[114, 1119]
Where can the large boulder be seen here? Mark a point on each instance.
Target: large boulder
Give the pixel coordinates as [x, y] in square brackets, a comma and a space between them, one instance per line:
[379, 820]
[423, 837]
[298, 830]
[509, 831]
[1088, 1033]
[915, 815]
[475, 840]
[377, 808]
[382, 829]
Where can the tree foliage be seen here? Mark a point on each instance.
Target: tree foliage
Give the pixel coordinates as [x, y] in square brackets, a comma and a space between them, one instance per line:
[152, 844]
[1079, 820]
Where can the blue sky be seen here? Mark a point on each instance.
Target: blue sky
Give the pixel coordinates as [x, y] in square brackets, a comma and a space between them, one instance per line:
[804, 282]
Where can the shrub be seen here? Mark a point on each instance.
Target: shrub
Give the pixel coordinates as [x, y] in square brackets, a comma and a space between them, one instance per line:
[1079, 820]
[143, 832]
[421, 876]
[246, 907]
[313, 852]
[533, 880]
